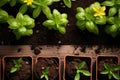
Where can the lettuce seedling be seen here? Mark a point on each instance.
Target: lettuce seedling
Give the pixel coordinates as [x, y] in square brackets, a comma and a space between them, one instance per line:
[58, 21]
[22, 25]
[17, 65]
[90, 17]
[111, 71]
[45, 74]
[79, 70]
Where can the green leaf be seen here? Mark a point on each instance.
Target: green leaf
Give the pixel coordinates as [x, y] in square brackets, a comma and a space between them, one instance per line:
[91, 27]
[3, 2]
[29, 22]
[23, 8]
[19, 60]
[46, 10]
[85, 72]
[13, 69]
[111, 20]
[13, 24]
[56, 15]
[49, 23]
[77, 76]
[63, 21]
[80, 16]
[28, 32]
[81, 24]
[80, 9]
[100, 21]
[81, 65]
[108, 3]
[20, 17]
[104, 72]
[46, 77]
[67, 3]
[117, 67]
[64, 15]
[62, 30]
[13, 2]
[36, 12]
[112, 11]
[116, 76]
[3, 16]
[22, 30]
[109, 76]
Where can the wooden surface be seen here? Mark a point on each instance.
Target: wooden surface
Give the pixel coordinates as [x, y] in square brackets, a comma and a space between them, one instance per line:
[55, 50]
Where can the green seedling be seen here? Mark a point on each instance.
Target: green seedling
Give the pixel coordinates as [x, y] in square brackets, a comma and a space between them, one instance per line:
[79, 70]
[22, 25]
[17, 65]
[111, 71]
[45, 74]
[58, 21]
[67, 3]
[38, 6]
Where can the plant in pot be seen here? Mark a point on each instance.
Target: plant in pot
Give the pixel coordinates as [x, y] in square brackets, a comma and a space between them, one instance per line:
[77, 68]
[107, 68]
[17, 68]
[47, 68]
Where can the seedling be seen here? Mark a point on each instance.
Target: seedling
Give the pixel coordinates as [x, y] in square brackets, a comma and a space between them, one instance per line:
[79, 70]
[17, 65]
[45, 74]
[22, 25]
[58, 21]
[111, 71]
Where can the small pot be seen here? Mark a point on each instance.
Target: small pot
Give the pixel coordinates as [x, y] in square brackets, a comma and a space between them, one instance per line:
[27, 64]
[53, 64]
[100, 60]
[71, 61]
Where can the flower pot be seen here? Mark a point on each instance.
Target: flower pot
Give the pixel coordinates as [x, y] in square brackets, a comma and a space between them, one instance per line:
[53, 65]
[23, 73]
[70, 63]
[108, 59]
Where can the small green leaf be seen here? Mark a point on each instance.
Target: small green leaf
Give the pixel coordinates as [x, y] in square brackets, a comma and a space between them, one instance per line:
[23, 8]
[104, 72]
[108, 3]
[56, 15]
[111, 20]
[80, 16]
[109, 76]
[3, 2]
[85, 72]
[62, 30]
[13, 69]
[13, 24]
[82, 64]
[20, 17]
[81, 25]
[13, 2]
[80, 9]
[46, 77]
[22, 30]
[46, 10]
[77, 76]
[112, 11]
[49, 23]
[67, 3]
[116, 76]
[36, 12]
[3, 16]
[117, 67]
[42, 76]
[100, 21]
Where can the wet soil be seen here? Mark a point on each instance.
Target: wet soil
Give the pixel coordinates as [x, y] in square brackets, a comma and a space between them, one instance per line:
[71, 63]
[51, 64]
[110, 61]
[24, 73]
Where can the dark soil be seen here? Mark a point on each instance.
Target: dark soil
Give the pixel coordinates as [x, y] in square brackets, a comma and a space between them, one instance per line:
[24, 73]
[71, 63]
[110, 61]
[42, 35]
[53, 66]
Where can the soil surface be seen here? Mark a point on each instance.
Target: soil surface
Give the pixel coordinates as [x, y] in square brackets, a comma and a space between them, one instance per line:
[52, 65]
[73, 34]
[71, 63]
[110, 61]
[23, 74]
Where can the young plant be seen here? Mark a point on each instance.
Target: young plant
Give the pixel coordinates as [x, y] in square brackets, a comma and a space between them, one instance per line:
[111, 71]
[113, 17]
[17, 65]
[22, 25]
[58, 21]
[79, 70]
[38, 6]
[90, 17]
[45, 74]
